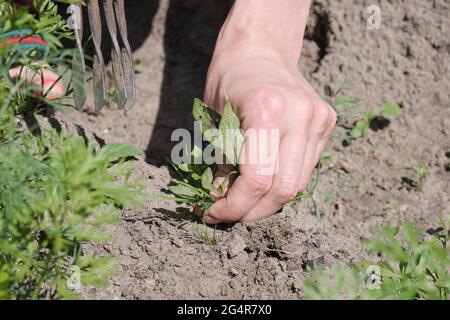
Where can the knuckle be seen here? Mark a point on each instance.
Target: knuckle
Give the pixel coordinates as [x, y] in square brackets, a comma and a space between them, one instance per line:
[285, 190]
[260, 184]
[269, 97]
[269, 101]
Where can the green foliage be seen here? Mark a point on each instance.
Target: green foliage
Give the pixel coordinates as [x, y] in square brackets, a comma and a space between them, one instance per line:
[361, 126]
[204, 235]
[421, 172]
[56, 191]
[411, 267]
[55, 194]
[341, 103]
[344, 283]
[338, 100]
[194, 183]
[196, 177]
[47, 23]
[390, 109]
[417, 177]
[345, 101]
[232, 137]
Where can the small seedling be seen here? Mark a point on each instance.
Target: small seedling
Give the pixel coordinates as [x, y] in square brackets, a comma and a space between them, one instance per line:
[338, 101]
[420, 173]
[361, 126]
[310, 191]
[205, 236]
[342, 104]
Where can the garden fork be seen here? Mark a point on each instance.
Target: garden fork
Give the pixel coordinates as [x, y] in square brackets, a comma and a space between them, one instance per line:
[121, 54]
[78, 63]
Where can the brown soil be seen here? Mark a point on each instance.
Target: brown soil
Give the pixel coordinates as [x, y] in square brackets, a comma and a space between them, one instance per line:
[407, 62]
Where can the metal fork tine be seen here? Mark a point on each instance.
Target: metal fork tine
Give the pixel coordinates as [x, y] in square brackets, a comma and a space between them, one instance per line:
[98, 63]
[116, 55]
[78, 63]
[127, 55]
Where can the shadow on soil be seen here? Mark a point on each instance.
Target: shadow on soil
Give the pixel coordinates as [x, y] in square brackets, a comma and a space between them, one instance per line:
[191, 31]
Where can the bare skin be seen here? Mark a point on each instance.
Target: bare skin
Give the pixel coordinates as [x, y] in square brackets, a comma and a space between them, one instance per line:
[46, 82]
[255, 65]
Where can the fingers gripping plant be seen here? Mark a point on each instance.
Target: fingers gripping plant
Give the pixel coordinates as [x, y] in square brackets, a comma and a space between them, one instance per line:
[195, 176]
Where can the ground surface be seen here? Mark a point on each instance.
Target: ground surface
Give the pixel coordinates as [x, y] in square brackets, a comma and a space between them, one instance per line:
[364, 185]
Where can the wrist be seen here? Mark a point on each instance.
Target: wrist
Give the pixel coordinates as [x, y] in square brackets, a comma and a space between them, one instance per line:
[265, 28]
[237, 43]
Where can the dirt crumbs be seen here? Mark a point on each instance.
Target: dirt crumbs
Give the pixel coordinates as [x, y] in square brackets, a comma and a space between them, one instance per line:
[164, 253]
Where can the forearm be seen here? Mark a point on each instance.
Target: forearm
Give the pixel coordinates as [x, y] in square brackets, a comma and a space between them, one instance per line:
[265, 27]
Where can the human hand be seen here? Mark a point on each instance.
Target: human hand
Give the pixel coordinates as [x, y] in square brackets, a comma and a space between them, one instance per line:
[39, 77]
[44, 82]
[267, 93]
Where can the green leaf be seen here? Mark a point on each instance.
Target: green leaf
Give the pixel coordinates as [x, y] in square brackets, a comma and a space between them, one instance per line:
[356, 133]
[346, 101]
[368, 116]
[118, 151]
[207, 179]
[411, 233]
[207, 116]
[231, 134]
[196, 153]
[422, 171]
[391, 109]
[229, 119]
[184, 167]
[360, 129]
[182, 190]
